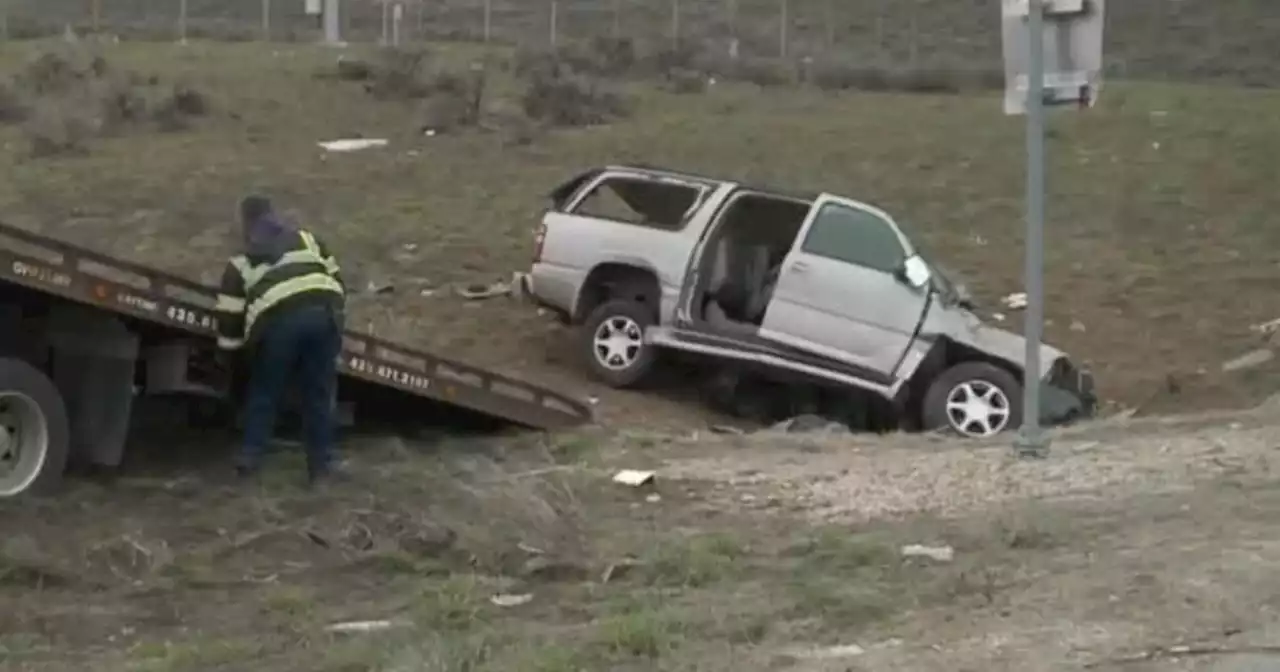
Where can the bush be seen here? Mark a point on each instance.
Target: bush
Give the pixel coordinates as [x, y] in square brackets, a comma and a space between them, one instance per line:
[400, 73]
[566, 98]
[457, 101]
[13, 107]
[680, 80]
[69, 94]
[56, 130]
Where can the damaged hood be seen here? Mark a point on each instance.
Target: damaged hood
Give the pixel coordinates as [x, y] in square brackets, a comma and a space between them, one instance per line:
[1005, 344]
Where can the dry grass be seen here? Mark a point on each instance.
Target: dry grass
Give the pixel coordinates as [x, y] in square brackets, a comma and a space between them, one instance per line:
[1156, 262]
[180, 573]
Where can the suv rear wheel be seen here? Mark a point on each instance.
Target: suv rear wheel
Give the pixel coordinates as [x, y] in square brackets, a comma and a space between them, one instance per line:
[973, 399]
[613, 341]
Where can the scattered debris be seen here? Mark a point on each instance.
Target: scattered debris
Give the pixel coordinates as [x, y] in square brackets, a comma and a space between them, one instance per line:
[998, 317]
[618, 569]
[939, 553]
[828, 652]
[479, 292]
[364, 626]
[726, 429]
[505, 600]
[1250, 360]
[1183, 651]
[653, 498]
[1015, 301]
[546, 569]
[352, 144]
[1078, 326]
[633, 477]
[809, 423]
[379, 288]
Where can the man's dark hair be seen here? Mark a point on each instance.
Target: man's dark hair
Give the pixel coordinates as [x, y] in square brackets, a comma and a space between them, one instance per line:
[253, 207]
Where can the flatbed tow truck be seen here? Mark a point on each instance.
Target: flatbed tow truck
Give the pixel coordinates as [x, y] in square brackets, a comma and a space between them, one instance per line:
[82, 334]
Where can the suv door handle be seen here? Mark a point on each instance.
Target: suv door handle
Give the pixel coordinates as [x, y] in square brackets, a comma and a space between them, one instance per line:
[799, 267]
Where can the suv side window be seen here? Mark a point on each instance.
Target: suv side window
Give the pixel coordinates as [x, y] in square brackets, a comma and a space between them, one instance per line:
[653, 203]
[854, 236]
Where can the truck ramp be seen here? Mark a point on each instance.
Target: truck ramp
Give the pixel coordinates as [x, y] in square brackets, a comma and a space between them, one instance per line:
[56, 268]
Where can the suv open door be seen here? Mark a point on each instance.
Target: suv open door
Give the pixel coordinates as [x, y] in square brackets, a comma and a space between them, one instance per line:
[843, 293]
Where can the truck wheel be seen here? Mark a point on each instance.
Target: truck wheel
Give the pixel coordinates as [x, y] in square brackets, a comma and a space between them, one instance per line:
[974, 400]
[34, 431]
[613, 340]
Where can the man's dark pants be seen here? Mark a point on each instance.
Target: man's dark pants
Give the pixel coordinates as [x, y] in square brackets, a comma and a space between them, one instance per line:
[305, 341]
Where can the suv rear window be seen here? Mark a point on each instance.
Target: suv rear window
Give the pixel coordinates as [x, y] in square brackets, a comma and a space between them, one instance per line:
[661, 205]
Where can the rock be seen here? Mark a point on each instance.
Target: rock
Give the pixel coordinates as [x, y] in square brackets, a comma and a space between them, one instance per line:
[808, 423]
[1250, 360]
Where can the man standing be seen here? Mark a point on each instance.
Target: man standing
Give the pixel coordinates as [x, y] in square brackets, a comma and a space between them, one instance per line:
[281, 300]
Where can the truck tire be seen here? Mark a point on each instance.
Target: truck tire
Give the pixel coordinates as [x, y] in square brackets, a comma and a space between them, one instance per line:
[613, 343]
[34, 430]
[974, 400]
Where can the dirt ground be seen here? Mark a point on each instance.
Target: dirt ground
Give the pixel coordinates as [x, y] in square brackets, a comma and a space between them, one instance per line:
[760, 552]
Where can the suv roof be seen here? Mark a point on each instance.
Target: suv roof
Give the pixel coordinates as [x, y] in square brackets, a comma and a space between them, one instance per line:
[668, 172]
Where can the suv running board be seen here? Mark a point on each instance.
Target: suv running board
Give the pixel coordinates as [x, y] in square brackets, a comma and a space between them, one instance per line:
[726, 348]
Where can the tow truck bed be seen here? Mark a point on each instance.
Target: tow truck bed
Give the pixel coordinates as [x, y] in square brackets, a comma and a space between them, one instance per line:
[63, 270]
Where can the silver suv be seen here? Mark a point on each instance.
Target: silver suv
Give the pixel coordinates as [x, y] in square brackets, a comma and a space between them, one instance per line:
[807, 291]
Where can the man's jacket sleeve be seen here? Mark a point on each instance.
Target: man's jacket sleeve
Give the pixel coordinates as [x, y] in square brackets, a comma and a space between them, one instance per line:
[230, 308]
[330, 263]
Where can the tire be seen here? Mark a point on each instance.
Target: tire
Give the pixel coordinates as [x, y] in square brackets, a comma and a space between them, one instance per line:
[37, 451]
[1002, 392]
[626, 365]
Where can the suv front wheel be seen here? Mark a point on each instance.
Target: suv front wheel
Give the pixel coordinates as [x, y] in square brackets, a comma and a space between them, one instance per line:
[973, 399]
[613, 341]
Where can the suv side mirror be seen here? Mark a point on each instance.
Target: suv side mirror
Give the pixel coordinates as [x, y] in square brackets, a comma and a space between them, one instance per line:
[914, 272]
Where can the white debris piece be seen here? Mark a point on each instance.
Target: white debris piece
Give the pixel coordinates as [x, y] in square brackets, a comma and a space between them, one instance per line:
[1015, 301]
[1249, 360]
[352, 144]
[939, 553]
[511, 600]
[633, 477]
[363, 626]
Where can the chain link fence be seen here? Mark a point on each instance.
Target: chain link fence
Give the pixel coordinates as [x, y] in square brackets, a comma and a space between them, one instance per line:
[1189, 40]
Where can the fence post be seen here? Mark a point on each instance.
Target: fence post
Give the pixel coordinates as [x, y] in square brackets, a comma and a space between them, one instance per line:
[182, 21]
[732, 20]
[386, 24]
[4, 20]
[617, 19]
[554, 19]
[96, 18]
[266, 20]
[675, 24]
[488, 20]
[783, 19]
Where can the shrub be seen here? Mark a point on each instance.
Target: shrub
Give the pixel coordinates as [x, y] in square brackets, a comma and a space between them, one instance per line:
[567, 98]
[680, 80]
[55, 129]
[13, 107]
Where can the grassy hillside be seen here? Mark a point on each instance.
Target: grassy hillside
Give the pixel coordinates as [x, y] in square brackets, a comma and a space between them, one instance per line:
[1225, 40]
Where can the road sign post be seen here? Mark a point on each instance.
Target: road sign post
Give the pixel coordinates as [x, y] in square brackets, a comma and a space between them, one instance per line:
[1052, 57]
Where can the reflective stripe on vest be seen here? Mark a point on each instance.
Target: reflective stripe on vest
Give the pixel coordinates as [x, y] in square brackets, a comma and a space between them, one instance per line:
[284, 289]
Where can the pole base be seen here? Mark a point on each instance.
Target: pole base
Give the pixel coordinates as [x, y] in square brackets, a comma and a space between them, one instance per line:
[1031, 445]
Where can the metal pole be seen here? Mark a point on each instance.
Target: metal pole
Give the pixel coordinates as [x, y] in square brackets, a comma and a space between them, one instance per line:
[182, 21]
[1031, 441]
[617, 19]
[332, 22]
[488, 20]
